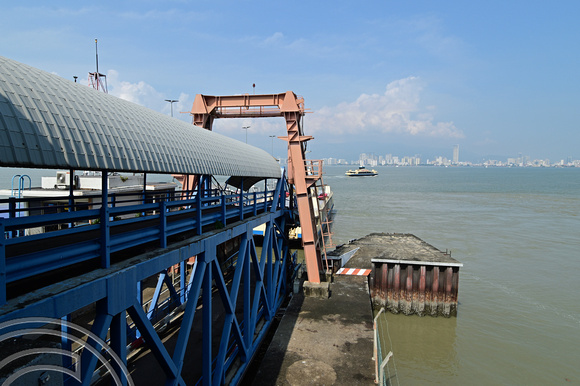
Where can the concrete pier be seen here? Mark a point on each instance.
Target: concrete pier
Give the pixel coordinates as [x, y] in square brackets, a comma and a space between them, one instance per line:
[323, 341]
[408, 275]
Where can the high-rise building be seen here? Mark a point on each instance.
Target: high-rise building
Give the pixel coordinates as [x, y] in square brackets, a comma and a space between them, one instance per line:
[456, 154]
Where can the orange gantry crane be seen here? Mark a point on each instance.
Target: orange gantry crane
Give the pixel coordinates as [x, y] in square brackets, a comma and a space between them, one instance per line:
[206, 108]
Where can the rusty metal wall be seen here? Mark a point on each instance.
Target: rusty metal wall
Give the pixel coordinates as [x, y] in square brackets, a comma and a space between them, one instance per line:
[415, 289]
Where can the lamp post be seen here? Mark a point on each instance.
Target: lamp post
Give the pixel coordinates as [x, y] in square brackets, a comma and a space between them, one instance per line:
[246, 128]
[171, 102]
[272, 136]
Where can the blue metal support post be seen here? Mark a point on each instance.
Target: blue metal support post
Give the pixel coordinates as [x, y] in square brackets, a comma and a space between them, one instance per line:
[207, 318]
[198, 196]
[119, 341]
[105, 220]
[250, 298]
[2, 263]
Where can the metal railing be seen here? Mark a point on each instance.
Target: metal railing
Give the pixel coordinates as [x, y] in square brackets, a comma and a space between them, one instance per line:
[380, 361]
[42, 235]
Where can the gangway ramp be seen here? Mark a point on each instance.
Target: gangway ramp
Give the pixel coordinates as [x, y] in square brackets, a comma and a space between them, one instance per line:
[49, 122]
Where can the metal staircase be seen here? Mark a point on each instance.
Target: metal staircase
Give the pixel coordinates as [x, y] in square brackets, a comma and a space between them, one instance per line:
[321, 196]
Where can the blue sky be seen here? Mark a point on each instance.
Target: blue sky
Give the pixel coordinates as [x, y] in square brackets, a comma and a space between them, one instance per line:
[417, 77]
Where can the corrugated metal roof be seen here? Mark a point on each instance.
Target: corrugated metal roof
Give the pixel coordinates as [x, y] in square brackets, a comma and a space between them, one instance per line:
[49, 122]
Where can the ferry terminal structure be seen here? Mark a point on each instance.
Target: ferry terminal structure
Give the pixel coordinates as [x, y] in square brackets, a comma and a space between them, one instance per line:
[63, 256]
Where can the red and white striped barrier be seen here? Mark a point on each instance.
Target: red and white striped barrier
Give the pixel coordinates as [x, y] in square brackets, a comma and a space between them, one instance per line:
[353, 271]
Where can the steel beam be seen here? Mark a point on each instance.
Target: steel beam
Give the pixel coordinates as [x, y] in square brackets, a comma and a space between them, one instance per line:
[2, 264]
[115, 291]
[287, 105]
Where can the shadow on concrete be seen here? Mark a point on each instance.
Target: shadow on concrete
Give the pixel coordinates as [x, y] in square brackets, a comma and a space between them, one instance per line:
[267, 363]
[323, 340]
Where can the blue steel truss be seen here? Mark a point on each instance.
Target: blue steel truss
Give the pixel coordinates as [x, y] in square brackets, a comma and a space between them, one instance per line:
[244, 292]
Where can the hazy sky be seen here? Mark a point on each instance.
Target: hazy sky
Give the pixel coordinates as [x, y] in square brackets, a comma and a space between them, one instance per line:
[403, 77]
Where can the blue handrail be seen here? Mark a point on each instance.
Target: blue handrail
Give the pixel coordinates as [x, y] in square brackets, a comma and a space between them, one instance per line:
[127, 228]
[20, 184]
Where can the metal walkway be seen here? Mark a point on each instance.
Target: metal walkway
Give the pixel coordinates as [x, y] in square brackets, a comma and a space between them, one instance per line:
[170, 281]
[172, 231]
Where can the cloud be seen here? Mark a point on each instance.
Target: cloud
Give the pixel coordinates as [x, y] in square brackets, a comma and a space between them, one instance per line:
[146, 95]
[276, 38]
[397, 110]
[171, 15]
[140, 93]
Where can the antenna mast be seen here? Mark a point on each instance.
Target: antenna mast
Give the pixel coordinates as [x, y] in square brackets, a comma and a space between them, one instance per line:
[97, 55]
[97, 80]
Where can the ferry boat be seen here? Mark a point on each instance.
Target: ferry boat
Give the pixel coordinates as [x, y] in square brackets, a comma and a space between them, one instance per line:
[361, 172]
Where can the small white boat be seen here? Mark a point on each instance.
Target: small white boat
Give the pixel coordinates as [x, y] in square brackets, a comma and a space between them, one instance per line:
[361, 172]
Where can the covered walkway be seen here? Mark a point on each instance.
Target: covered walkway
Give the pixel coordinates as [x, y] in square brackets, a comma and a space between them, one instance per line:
[95, 258]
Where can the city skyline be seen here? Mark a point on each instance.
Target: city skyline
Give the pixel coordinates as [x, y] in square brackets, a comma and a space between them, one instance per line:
[496, 78]
[394, 160]
[452, 156]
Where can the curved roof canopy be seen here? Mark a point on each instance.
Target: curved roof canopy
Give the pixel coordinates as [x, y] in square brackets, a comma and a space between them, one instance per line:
[49, 122]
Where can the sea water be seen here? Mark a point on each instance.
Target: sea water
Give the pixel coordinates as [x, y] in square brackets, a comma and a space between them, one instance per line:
[517, 232]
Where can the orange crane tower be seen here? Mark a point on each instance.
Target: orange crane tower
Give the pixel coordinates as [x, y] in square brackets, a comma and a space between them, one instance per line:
[291, 107]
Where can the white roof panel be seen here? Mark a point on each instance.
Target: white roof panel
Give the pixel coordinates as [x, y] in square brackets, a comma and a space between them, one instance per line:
[49, 122]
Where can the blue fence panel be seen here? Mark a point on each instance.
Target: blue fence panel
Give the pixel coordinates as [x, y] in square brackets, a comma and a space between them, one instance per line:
[130, 223]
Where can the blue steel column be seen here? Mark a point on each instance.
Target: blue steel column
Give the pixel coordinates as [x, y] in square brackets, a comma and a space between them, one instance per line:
[224, 209]
[144, 188]
[163, 223]
[207, 319]
[247, 305]
[255, 197]
[121, 294]
[12, 213]
[207, 181]
[198, 223]
[188, 315]
[119, 341]
[267, 257]
[260, 290]
[100, 328]
[190, 281]
[241, 200]
[182, 274]
[2, 263]
[229, 301]
[65, 344]
[281, 263]
[174, 296]
[140, 300]
[265, 195]
[156, 293]
[279, 194]
[105, 235]
[71, 194]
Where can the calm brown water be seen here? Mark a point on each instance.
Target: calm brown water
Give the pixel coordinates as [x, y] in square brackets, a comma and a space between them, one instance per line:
[517, 232]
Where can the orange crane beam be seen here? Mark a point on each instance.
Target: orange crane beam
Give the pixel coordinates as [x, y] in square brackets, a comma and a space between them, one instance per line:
[206, 108]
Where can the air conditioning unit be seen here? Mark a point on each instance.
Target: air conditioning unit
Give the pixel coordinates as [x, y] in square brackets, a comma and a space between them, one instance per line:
[63, 180]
